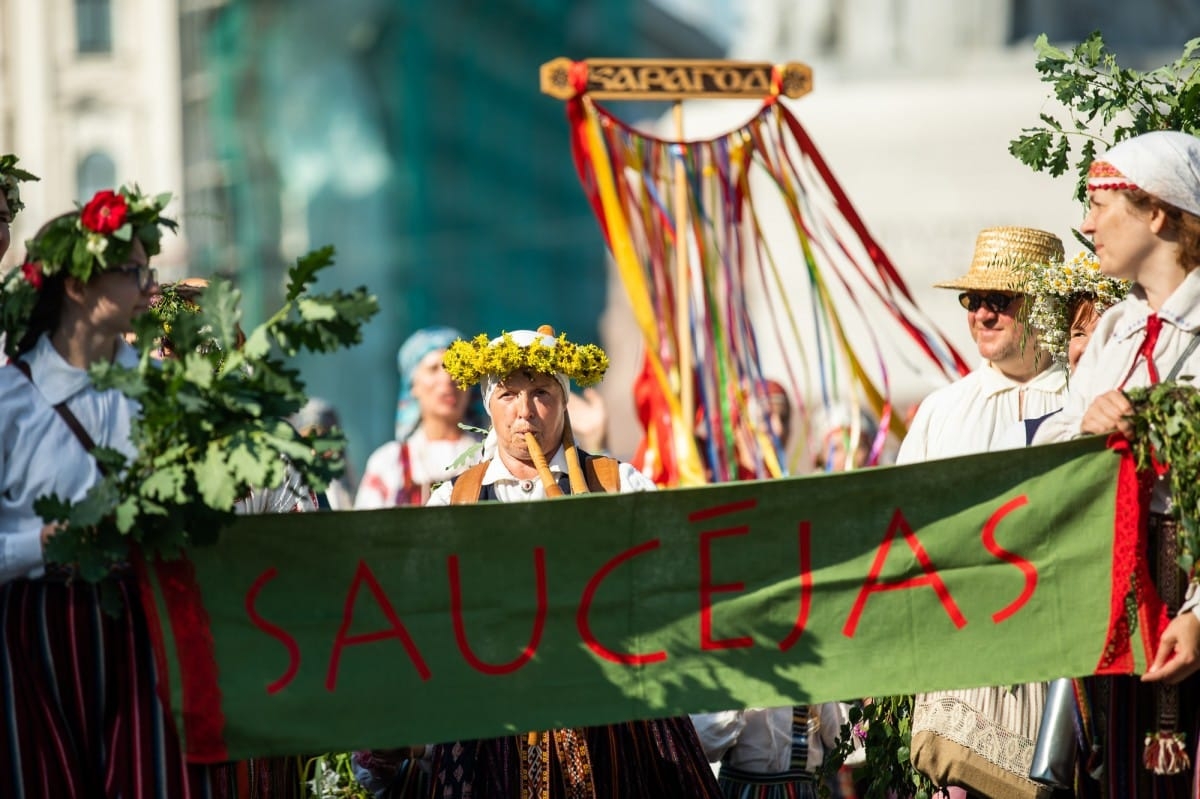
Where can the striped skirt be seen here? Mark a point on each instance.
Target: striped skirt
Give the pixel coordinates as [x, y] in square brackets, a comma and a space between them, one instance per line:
[795, 783]
[82, 716]
[738, 784]
[659, 759]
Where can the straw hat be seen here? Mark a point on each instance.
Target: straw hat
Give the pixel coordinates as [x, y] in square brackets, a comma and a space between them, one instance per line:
[999, 254]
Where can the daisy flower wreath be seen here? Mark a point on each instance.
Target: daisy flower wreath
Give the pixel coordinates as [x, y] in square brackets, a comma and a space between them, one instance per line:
[468, 361]
[1055, 286]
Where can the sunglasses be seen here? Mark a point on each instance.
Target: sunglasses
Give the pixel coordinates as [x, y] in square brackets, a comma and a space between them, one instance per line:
[994, 301]
[146, 276]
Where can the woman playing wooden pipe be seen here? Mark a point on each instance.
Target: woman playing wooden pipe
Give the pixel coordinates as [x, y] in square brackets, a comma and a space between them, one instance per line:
[530, 454]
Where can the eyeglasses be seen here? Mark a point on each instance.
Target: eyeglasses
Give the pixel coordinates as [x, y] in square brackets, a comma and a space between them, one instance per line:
[146, 277]
[994, 301]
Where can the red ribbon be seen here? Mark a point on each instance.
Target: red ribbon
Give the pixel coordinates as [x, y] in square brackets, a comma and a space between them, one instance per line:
[1153, 328]
[1131, 568]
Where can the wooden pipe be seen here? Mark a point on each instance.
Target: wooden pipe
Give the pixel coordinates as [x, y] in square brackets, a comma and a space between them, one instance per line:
[543, 468]
[574, 470]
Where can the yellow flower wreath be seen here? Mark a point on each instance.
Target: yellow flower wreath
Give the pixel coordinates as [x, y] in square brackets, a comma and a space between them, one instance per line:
[468, 361]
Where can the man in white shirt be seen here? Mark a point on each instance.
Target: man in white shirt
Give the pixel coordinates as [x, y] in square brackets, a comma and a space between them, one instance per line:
[1017, 380]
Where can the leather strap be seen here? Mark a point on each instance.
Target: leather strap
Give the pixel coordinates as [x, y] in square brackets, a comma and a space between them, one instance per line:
[68, 417]
[603, 474]
[467, 485]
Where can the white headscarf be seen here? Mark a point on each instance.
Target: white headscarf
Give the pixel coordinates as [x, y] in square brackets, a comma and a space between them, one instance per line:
[1164, 163]
[523, 338]
[488, 383]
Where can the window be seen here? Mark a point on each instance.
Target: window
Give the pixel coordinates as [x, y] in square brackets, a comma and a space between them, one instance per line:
[95, 172]
[93, 26]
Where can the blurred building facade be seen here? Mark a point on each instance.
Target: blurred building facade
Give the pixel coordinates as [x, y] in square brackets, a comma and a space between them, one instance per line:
[90, 97]
[412, 136]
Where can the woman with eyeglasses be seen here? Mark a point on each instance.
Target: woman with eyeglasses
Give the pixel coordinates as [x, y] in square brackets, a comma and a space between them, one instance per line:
[83, 712]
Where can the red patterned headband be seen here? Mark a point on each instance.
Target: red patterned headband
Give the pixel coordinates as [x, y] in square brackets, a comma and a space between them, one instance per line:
[1103, 175]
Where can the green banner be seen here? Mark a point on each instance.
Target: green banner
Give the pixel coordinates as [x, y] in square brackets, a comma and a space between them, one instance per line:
[319, 632]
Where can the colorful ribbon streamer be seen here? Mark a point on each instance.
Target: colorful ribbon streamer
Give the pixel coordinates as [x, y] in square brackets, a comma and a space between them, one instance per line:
[734, 272]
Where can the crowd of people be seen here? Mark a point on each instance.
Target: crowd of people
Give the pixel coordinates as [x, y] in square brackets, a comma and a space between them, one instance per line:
[1058, 342]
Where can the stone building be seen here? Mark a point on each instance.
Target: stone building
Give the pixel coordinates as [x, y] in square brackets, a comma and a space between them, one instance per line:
[89, 97]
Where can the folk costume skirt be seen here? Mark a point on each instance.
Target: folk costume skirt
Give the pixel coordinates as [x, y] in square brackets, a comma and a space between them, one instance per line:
[1124, 709]
[659, 759]
[82, 714]
[795, 783]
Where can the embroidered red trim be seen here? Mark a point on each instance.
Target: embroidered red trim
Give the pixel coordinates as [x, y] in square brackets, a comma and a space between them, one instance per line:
[1111, 186]
[1117, 657]
[203, 718]
[1134, 597]
[1103, 169]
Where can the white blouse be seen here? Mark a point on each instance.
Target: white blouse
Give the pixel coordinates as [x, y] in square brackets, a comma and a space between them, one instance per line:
[430, 462]
[39, 455]
[1111, 359]
[976, 414]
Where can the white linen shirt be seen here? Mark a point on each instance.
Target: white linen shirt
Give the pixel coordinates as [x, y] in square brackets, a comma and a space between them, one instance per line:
[976, 414]
[39, 455]
[1111, 359]
[1111, 362]
[760, 738]
[510, 489]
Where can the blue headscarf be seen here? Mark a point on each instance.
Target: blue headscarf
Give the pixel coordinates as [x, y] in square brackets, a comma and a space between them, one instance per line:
[414, 348]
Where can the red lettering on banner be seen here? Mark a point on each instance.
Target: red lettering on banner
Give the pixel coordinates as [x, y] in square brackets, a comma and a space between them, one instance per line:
[722, 510]
[931, 577]
[805, 536]
[708, 588]
[397, 629]
[1027, 568]
[273, 630]
[460, 632]
[585, 606]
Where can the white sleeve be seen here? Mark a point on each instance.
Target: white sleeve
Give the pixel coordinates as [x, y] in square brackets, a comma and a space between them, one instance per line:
[1087, 382]
[633, 480]
[718, 731]
[1192, 602]
[1059, 427]
[825, 730]
[441, 495]
[914, 446]
[21, 556]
